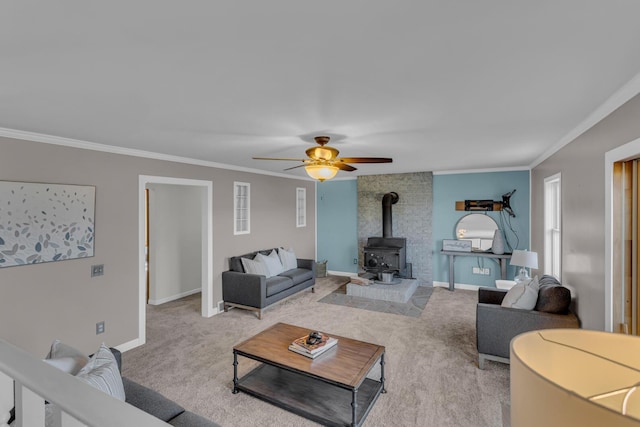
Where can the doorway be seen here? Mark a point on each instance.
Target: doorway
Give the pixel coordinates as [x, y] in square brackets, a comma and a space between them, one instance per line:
[205, 190]
[622, 236]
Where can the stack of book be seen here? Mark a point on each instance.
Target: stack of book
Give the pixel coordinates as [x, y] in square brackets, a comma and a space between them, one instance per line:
[312, 351]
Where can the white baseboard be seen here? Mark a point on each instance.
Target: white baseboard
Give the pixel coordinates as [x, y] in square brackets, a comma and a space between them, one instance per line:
[129, 345]
[342, 273]
[463, 286]
[174, 297]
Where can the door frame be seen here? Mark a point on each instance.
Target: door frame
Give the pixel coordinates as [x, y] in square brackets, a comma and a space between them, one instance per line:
[207, 308]
[627, 151]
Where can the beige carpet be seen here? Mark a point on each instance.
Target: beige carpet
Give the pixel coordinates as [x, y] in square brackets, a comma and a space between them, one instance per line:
[431, 373]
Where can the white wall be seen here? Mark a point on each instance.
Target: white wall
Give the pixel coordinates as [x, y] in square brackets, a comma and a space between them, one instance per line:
[175, 238]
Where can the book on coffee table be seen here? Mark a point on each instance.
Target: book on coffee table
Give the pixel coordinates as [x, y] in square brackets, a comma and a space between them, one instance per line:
[312, 350]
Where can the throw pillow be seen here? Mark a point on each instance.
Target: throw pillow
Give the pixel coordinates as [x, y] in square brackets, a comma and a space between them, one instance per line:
[66, 358]
[273, 264]
[523, 295]
[254, 266]
[288, 259]
[553, 299]
[102, 373]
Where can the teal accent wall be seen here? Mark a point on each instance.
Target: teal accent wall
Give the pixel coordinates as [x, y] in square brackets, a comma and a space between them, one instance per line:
[447, 189]
[337, 221]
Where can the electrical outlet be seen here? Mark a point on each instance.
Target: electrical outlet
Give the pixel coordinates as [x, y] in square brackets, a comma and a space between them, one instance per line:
[475, 270]
[100, 328]
[355, 261]
[485, 271]
[220, 306]
[97, 270]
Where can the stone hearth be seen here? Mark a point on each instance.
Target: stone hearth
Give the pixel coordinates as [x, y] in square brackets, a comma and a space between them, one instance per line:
[395, 293]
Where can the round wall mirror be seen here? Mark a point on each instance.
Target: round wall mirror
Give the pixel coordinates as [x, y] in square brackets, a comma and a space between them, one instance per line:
[479, 228]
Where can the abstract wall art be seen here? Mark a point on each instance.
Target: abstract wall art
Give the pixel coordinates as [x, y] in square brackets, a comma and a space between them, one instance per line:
[45, 222]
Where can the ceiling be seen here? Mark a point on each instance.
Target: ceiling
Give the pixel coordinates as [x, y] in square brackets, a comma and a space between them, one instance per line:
[437, 85]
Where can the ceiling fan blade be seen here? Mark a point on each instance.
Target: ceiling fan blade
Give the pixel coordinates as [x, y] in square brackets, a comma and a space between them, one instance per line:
[279, 158]
[294, 167]
[365, 160]
[345, 167]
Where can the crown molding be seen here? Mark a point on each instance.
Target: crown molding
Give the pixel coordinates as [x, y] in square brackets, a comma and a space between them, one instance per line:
[489, 170]
[85, 145]
[615, 101]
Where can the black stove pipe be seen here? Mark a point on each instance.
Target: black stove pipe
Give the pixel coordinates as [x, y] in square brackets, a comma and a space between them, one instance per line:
[388, 200]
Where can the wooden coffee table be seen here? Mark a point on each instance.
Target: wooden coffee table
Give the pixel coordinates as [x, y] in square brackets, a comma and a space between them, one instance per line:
[332, 389]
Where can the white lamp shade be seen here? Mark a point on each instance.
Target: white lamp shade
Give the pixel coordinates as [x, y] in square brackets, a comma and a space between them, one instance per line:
[524, 259]
[321, 172]
[574, 377]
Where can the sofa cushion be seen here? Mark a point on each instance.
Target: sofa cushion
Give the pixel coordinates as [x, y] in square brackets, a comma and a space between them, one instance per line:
[102, 372]
[189, 419]
[553, 299]
[277, 284]
[298, 275]
[288, 259]
[522, 295]
[150, 401]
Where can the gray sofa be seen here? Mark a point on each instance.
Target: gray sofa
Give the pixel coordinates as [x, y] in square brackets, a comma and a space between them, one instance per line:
[496, 326]
[155, 404]
[256, 292]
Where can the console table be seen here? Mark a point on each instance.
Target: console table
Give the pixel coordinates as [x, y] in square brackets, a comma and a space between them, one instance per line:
[502, 259]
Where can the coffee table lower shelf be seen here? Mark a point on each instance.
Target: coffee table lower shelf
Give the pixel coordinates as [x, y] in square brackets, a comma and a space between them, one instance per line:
[317, 400]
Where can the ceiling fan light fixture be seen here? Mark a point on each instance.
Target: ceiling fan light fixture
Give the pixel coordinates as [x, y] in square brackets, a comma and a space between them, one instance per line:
[321, 172]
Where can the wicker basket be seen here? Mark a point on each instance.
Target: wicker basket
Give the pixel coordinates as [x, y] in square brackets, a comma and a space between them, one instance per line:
[321, 269]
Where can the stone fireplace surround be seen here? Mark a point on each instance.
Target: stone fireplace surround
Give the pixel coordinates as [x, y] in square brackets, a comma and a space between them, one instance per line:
[412, 216]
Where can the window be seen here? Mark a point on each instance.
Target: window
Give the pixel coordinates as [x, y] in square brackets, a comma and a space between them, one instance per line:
[241, 202]
[301, 207]
[552, 225]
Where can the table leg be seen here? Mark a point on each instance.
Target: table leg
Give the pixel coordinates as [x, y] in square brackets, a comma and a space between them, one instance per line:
[235, 373]
[451, 282]
[354, 406]
[382, 373]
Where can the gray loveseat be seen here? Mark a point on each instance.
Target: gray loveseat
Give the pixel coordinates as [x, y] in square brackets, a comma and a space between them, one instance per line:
[256, 292]
[496, 326]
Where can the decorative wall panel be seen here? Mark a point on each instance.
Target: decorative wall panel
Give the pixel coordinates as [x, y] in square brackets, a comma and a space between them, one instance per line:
[45, 222]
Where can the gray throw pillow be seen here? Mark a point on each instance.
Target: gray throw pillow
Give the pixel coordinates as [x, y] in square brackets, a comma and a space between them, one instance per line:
[523, 295]
[102, 373]
[66, 358]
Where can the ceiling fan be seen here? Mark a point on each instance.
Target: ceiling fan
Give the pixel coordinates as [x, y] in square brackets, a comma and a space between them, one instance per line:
[323, 162]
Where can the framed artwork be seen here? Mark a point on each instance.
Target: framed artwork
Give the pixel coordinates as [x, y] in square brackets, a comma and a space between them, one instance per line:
[45, 222]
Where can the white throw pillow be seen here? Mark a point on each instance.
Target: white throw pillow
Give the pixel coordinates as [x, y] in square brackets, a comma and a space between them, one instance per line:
[255, 266]
[66, 358]
[274, 266]
[524, 295]
[288, 259]
[102, 373]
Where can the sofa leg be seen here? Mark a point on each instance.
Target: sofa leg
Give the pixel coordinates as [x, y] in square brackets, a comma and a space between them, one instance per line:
[260, 314]
[313, 289]
[480, 361]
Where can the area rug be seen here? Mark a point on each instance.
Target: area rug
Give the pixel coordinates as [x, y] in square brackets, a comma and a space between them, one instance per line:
[412, 308]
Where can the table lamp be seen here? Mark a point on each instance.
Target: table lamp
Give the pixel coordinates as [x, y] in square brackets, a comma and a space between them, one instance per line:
[524, 260]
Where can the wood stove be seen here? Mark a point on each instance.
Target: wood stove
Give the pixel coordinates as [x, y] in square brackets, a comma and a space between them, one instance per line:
[387, 253]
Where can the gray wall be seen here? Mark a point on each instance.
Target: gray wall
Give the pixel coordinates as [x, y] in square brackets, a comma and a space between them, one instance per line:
[583, 207]
[411, 216]
[175, 241]
[60, 300]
